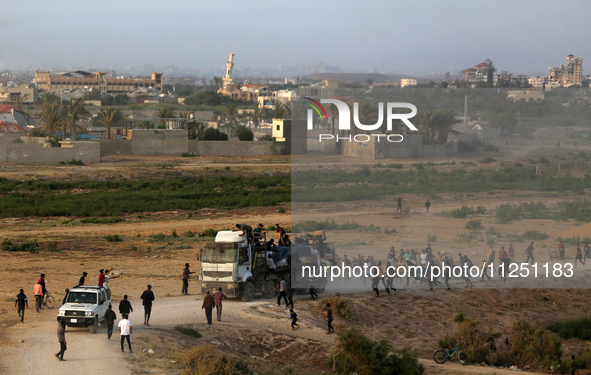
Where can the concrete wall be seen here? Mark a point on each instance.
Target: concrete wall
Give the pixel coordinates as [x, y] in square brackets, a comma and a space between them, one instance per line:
[328, 146]
[159, 142]
[365, 150]
[234, 148]
[87, 151]
[115, 147]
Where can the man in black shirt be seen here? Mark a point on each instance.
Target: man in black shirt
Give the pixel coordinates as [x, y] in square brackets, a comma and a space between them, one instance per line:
[20, 303]
[329, 318]
[82, 278]
[110, 318]
[147, 298]
[125, 306]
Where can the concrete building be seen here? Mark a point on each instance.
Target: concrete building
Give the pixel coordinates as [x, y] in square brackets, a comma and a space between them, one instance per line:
[538, 82]
[22, 94]
[534, 94]
[326, 89]
[481, 73]
[569, 75]
[408, 82]
[45, 80]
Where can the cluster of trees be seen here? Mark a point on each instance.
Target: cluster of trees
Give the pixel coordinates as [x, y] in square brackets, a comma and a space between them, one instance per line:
[58, 118]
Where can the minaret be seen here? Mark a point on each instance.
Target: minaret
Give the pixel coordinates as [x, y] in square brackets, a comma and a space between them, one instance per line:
[229, 65]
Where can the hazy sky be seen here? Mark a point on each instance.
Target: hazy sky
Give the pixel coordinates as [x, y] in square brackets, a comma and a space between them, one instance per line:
[412, 36]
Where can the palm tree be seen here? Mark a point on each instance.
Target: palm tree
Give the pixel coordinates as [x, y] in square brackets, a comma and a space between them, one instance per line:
[110, 116]
[231, 115]
[163, 114]
[437, 125]
[146, 124]
[52, 116]
[333, 112]
[184, 115]
[257, 115]
[216, 82]
[75, 110]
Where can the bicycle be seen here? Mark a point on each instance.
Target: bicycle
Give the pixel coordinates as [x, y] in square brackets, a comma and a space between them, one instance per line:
[441, 356]
[49, 301]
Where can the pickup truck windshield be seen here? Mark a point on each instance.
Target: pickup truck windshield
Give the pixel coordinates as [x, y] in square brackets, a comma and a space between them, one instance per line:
[219, 253]
[82, 297]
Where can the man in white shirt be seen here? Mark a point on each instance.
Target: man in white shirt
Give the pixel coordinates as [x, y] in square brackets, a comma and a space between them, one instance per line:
[108, 276]
[125, 329]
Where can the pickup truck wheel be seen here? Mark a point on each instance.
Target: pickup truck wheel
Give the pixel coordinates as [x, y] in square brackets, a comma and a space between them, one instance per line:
[269, 289]
[94, 326]
[248, 293]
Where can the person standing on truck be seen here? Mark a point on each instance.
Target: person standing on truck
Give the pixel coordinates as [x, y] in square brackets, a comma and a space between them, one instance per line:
[246, 230]
[61, 337]
[20, 303]
[208, 304]
[329, 318]
[101, 277]
[282, 292]
[258, 233]
[125, 306]
[110, 318]
[218, 296]
[125, 328]
[186, 276]
[147, 298]
[82, 279]
[106, 282]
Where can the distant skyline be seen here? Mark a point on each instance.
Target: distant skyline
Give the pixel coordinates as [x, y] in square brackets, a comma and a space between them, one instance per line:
[412, 37]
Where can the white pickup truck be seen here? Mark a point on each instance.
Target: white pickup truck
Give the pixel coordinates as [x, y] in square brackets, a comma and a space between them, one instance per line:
[85, 307]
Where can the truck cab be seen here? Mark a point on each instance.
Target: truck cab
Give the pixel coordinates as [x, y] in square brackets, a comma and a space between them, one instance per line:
[85, 307]
[238, 266]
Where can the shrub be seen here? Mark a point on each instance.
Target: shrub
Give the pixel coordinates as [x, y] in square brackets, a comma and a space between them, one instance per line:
[209, 233]
[245, 134]
[474, 224]
[461, 213]
[211, 134]
[480, 210]
[530, 346]
[52, 247]
[30, 247]
[339, 305]
[266, 137]
[113, 238]
[534, 235]
[489, 147]
[356, 353]
[507, 212]
[478, 343]
[72, 162]
[174, 234]
[188, 155]
[205, 360]
[281, 210]
[431, 238]
[190, 234]
[158, 237]
[188, 332]
[94, 220]
[488, 160]
[575, 327]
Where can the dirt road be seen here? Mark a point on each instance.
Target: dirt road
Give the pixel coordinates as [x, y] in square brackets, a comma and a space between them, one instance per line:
[241, 322]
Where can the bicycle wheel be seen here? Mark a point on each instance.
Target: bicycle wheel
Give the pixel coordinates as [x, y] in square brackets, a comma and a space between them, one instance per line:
[440, 356]
[50, 301]
[463, 358]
